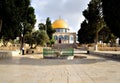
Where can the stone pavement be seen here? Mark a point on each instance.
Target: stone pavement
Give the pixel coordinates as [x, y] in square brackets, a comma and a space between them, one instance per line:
[109, 52]
[30, 69]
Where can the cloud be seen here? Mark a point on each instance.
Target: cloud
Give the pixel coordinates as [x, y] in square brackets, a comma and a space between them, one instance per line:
[69, 10]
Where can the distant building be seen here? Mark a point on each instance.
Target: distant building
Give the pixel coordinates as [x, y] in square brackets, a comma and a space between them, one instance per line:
[62, 34]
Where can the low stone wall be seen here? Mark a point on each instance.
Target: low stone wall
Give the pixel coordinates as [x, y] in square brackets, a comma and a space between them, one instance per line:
[105, 48]
[8, 54]
[15, 53]
[109, 48]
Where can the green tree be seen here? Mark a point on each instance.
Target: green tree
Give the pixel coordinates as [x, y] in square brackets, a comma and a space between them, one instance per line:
[94, 17]
[84, 36]
[106, 36]
[49, 28]
[29, 39]
[1, 7]
[111, 14]
[13, 13]
[94, 22]
[112, 39]
[41, 26]
[41, 37]
[1, 14]
[36, 38]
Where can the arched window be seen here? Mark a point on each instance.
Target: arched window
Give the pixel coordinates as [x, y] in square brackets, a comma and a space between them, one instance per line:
[66, 37]
[55, 37]
[61, 37]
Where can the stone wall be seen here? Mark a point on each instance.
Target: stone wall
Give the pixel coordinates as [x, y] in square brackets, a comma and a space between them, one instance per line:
[105, 48]
[109, 48]
[8, 54]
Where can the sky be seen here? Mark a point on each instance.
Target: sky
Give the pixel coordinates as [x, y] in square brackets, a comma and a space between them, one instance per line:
[69, 10]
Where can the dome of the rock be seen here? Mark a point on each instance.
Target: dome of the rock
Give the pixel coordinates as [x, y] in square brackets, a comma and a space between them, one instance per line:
[59, 24]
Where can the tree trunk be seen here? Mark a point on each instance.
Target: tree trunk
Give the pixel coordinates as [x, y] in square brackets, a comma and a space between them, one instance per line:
[96, 41]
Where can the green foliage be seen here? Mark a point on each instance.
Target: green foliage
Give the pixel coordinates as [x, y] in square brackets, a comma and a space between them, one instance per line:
[84, 36]
[93, 15]
[106, 36]
[112, 39]
[42, 37]
[93, 24]
[41, 26]
[13, 13]
[49, 28]
[52, 41]
[29, 39]
[4, 41]
[36, 38]
[111, 12]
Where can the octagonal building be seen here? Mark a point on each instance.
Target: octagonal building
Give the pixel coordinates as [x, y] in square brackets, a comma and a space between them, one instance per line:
[62, 34]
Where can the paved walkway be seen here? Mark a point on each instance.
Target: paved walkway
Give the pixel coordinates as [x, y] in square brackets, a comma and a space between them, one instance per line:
[29, 69]
[108, 52]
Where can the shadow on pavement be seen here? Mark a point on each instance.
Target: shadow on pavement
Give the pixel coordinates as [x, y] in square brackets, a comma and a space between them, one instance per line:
[49, 62]
[113, 57]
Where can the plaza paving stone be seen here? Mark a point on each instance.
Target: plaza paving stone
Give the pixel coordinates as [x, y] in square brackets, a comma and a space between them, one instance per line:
[29, 69]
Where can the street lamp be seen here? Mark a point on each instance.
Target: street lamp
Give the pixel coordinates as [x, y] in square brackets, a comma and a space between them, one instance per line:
[22, 39]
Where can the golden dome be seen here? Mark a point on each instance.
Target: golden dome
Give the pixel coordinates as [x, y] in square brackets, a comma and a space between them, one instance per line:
[59, 24]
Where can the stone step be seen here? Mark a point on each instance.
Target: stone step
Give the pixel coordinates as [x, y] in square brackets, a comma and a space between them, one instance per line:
[64, 46]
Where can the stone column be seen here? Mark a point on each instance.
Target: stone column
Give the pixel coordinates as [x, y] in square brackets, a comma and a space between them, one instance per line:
[68, 39]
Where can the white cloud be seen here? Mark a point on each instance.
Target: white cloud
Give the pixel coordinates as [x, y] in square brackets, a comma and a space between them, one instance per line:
[70, 10]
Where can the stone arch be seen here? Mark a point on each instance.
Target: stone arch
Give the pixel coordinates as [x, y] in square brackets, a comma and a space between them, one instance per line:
[61, 37]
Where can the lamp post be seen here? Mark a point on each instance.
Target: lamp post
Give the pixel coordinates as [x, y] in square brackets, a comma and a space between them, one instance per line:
[22, 38]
